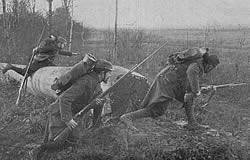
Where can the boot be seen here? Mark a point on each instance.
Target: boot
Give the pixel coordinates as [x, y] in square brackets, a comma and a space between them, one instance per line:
[7, 67]
[130, 117]
[192, 123]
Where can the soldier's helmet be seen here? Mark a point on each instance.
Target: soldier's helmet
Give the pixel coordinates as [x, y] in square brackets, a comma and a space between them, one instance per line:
[57, 39]
[213, 60]
[53, 37]
[103, 65]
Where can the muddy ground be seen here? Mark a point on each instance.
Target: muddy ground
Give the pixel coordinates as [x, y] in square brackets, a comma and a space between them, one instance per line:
[228, 138]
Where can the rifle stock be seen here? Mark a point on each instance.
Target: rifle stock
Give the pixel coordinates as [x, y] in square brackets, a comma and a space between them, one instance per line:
[91, 105]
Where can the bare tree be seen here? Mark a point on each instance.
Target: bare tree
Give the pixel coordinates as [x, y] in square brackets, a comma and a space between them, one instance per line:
[66, 4]
[6, 31]
[115, 34]
[34, 6]
[50, 15]
[71, 26]
[4, 13]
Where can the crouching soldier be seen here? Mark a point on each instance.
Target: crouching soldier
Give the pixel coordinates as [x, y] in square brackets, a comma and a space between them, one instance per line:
[45, 54]
[180, 81]
[70, 102]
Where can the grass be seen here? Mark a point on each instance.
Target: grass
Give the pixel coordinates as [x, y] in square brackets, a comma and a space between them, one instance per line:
[228, 112]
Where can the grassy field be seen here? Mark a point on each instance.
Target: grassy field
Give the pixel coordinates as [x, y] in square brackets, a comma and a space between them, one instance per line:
[228, 113]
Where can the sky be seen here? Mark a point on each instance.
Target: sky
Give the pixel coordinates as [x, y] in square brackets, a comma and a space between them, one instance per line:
[158, 13]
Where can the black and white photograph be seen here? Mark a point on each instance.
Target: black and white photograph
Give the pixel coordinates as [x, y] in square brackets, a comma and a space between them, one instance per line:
[124, 80]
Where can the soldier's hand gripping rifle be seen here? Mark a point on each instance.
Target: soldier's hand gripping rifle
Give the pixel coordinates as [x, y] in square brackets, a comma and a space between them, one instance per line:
[64, 133]
[25, 77]
[213, 89]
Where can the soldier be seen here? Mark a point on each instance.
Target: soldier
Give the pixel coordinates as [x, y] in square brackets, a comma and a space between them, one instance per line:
[178, 81]
[45, 54]
[70, 102]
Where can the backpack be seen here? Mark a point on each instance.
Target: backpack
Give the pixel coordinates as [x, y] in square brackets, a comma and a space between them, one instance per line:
[185, 56]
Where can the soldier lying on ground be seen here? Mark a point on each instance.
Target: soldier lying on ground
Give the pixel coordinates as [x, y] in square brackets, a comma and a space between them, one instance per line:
[70, 102]
[45, 54]
[180, 81]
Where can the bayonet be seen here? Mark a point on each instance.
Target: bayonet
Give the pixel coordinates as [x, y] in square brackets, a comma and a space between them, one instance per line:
[215, 87]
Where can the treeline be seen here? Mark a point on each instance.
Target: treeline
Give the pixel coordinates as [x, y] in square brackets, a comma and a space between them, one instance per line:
[21, 26]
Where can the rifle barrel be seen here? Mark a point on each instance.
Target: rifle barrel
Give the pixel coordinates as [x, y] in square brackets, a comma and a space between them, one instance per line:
[230, 85]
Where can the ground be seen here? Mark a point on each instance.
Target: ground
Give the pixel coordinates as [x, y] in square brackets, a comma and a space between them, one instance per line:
[22, 127]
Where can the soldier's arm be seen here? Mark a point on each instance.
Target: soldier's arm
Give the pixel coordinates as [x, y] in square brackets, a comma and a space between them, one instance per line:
[65, 53]
[66, 99]
[43, 48]
[193, 77]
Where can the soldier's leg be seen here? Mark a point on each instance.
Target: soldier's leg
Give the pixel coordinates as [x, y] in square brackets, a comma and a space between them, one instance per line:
[14, 68]
[55, 127]
[35, 65]
[192, 123]
[97, 116]
[36, 152]
[154, 110]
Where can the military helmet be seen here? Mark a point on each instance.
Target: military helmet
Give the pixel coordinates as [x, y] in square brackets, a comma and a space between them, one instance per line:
[213, 60]
[103, 65]
[53, 37]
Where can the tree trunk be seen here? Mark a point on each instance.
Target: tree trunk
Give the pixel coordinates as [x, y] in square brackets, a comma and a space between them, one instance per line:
[6, 32]
[4, 14]
[34, 6]
[115, 34]
[50, 15]
[71, 28]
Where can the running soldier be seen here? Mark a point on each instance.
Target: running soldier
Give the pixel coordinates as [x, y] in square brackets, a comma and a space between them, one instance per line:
[45, 54]
[180, 81]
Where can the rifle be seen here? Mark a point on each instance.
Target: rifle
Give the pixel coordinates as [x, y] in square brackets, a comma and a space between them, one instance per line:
[215, 87]
[65, 132]
[25, 77]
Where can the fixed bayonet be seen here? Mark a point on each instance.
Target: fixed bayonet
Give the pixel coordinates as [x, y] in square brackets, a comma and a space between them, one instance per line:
[215, 87]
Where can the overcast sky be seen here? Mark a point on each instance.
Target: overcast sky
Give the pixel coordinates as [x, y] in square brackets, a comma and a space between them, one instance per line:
[158, 13]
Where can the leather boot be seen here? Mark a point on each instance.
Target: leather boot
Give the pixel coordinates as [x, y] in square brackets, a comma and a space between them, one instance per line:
[128, 118]
[192, 123]
[7, 67]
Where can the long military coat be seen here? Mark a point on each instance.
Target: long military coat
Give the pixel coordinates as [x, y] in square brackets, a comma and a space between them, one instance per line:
[174, 81]
[81, 93]
[71, 101]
